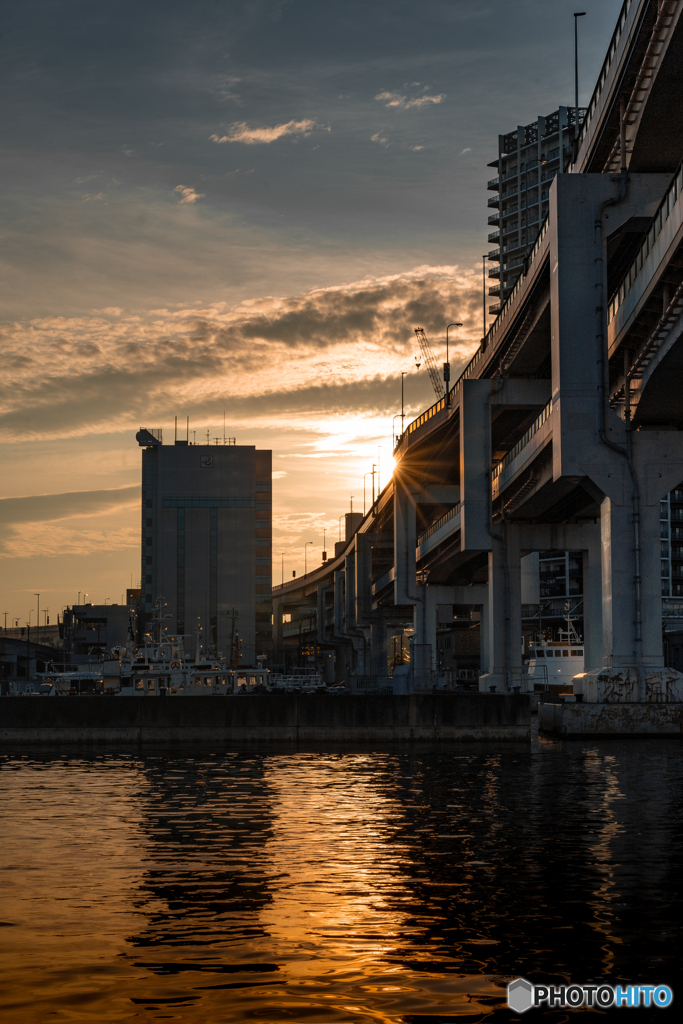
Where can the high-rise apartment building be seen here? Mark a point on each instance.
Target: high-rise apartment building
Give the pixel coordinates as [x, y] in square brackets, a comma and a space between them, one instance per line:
[206, 543]
[528, 160]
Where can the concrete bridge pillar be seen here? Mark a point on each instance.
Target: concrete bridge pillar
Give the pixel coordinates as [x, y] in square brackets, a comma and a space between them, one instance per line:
[514, 586]
[619, 607]
[501, 624]
[378, 644]
[495, 620]
[592, 599]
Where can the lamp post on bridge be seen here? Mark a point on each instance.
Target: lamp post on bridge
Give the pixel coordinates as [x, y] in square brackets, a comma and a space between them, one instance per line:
[447, 368]
[575, 141]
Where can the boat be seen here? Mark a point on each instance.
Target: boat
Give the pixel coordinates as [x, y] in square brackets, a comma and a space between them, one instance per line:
[554, 663]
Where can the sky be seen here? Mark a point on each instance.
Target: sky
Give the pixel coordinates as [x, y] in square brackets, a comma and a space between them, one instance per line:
[241, 209]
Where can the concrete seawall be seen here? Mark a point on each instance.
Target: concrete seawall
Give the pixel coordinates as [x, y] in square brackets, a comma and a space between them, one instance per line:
[291, 718]
[584, 720]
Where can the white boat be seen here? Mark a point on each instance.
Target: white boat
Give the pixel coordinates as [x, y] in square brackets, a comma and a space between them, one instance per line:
[554, 663]
[74, 683]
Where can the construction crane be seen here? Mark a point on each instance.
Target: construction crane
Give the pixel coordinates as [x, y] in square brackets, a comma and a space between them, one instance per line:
[429, 359]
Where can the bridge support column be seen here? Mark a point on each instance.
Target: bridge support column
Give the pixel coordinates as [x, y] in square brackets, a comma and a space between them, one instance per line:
[514, 586]
[592, 599]
[378, 644]
[620, 648]
[502, 618]
[495, 616]
[484, 638]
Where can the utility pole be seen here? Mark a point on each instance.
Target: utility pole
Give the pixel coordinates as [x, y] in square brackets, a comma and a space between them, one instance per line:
[575, 143]
[447, 367]
[483, 294]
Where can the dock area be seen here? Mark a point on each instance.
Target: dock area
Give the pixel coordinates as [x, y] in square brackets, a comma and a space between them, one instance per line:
[583, 720]
[288, 717]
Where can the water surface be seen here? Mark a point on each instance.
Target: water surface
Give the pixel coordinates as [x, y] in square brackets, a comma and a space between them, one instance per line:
[384, 885]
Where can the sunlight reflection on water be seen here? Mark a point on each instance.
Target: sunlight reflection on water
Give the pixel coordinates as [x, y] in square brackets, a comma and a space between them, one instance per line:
[387, 886]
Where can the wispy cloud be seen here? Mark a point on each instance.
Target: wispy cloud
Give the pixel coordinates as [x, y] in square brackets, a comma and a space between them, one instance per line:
[378, 137]
[467, 149]
[188, 194]
[398, 100]
[241, 132]
[21, 517]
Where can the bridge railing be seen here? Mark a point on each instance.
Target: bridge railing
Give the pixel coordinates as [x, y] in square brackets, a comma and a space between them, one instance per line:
[604, 71]
[658, 221]
[451, 514]
[523, 441]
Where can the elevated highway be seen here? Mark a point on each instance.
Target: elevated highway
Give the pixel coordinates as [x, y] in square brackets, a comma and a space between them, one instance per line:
[564, 431]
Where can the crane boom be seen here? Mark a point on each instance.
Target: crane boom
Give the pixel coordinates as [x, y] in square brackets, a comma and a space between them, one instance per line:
[429, 359]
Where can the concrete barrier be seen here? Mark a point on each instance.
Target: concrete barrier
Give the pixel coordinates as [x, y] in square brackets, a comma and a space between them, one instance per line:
[292, 718]
[583, 720]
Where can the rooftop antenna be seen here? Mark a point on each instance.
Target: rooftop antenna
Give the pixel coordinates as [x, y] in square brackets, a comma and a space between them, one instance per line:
[224, 426]
[188, 429]
[352, 503]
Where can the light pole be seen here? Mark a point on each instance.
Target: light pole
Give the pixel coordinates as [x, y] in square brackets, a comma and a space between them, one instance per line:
[324, 545]
[483, 293]
[283, 567]
[38, 596]
[371, 473]
[5, 614]
[447, 367]
[575, 143]
[393, 429]
[403, 373]
[305, 554]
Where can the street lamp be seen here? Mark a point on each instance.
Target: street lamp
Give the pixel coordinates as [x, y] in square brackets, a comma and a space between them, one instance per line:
[305, 553]
[283, 567]
[575, 143]
[392, 426]
[38, 596]
[447, 367]
[371, 472]
[483, 295]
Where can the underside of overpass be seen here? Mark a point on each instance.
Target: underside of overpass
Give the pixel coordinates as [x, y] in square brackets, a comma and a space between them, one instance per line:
[564, 431]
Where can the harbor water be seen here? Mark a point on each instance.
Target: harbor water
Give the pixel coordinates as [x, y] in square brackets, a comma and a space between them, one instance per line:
[380, 884]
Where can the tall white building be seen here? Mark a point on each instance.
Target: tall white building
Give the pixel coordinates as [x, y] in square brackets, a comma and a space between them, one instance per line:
[206, 543]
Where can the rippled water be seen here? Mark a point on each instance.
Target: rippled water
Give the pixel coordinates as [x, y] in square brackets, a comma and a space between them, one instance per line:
[370, 885]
